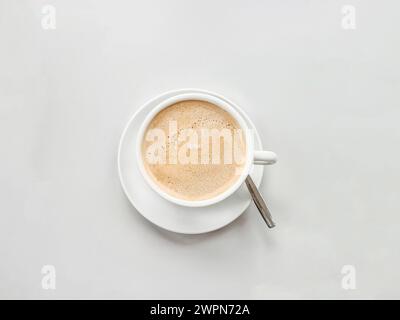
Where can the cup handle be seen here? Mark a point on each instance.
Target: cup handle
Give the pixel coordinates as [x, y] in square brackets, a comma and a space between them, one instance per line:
[264, 157]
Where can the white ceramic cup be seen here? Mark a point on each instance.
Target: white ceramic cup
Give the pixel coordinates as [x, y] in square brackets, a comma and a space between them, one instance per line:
[252, 156]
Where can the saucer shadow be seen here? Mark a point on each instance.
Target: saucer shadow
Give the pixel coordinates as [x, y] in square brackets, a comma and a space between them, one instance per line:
[188, 239]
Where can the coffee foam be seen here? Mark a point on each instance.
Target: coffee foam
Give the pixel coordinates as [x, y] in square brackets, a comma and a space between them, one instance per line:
[193, 181]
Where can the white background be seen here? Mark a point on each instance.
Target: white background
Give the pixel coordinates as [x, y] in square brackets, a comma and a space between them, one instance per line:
[325, 99]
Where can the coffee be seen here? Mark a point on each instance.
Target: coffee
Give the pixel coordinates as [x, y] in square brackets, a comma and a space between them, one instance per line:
[193, 150]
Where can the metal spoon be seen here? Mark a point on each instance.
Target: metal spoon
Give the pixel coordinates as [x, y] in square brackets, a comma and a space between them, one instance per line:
[259, 202]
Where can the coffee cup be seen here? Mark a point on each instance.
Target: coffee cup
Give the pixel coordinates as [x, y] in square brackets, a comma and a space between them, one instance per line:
[251, 156]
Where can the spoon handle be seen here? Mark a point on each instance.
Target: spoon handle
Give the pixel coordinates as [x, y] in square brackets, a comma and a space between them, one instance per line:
[259, 202]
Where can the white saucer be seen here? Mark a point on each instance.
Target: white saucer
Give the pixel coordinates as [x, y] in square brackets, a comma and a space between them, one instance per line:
[163, 213]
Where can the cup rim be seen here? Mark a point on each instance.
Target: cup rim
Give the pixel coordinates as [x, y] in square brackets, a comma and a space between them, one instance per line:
[223, 105]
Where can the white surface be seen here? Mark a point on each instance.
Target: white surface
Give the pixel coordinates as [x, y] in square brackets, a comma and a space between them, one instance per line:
[159, 210]
[324, 98]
